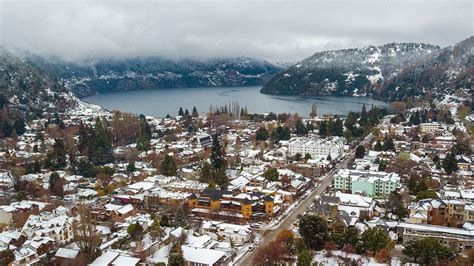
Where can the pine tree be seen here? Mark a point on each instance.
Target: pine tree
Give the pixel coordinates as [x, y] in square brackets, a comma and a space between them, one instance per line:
[84, 137]
[363, 116]
[58, 121]
[3, 100]
[323, 129]
[144, 135]
[86, 169]
[180, 112]
[378, 146]
[168, 166]
[388, 144]
[414, 118]
[450, 164]
[195, 112]
[57, 158]
[337, 127]
[19, 126]
[186, 113]
[221, 179]
[374, 114]
[99, 147]
[56, 184]
[351, 120]
[262, 134]
[360, 151]
[300, 128]
[205, 174]
[217, 159]
[131, 167]
[180, 218]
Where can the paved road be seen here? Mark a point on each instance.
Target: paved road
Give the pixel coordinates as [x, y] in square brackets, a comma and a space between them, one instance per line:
[325, 182]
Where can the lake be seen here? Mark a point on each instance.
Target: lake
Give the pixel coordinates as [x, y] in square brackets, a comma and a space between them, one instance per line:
[160, 102]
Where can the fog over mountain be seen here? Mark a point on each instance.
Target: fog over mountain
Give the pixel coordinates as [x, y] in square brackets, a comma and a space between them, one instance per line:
[271, 30]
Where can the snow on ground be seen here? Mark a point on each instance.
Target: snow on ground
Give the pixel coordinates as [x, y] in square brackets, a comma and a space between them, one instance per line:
[375, 57]
[338, 257]
[376, 77]
[350, 76]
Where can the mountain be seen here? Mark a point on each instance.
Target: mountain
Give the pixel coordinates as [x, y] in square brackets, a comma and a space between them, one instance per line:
[390, 72]
[349, 71]
[28, 91]
[101, 76]
[446, 71]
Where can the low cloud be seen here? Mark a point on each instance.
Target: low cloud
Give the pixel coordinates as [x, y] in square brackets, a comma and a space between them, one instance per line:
[273, 30]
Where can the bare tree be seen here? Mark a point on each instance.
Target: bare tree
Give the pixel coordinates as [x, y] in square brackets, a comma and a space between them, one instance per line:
[85, 235]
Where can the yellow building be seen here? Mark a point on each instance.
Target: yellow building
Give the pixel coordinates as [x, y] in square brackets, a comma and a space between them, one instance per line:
[221, 202]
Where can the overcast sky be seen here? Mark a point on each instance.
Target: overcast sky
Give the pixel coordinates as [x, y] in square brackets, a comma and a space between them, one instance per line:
[273, 30]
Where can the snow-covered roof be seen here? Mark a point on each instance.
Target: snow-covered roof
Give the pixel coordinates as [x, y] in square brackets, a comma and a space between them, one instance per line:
[196, 255]
[125, 260]
[354, 200]
[67, 253]
[438, 229]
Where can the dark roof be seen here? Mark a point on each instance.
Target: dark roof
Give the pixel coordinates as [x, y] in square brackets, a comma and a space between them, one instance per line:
[193, 196]
[246, 201]
[257, 194]
[268, 198]
[215, 194]
[330, 199]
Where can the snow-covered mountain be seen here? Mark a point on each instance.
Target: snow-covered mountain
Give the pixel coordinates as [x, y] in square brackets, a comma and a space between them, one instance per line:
[349, 71]
[391, 72]
[450, 70]
[88, 78]
[27, 91]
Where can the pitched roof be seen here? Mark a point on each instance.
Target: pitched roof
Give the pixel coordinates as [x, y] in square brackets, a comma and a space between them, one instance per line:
[215, 194]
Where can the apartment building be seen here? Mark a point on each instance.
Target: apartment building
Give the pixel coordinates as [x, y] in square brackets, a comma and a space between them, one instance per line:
[370, 183]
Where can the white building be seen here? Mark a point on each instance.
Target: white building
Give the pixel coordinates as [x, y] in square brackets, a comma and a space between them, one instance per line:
[315, 147]
[56, 225]
[239, 234]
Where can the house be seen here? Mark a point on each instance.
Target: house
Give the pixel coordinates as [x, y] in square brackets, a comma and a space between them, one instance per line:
[55, 225]
[356, 206]
[6, 181]
[456, 212]
[114, 258]
[25, 256]
[238, 234]
[204, 140]
[17, 212]
[118, 213]
[66, 256]
[428, 211]
[463, 162]
[202, 256]
[40, 245]
[160, 198]
[195, 253]
[327, 208]
[13, 237]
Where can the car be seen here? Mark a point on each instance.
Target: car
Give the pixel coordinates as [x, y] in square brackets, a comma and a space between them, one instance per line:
[254, 225]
